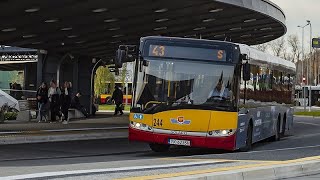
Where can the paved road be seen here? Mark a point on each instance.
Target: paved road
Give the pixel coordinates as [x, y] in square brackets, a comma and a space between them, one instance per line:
[118, 158]
[312, 177]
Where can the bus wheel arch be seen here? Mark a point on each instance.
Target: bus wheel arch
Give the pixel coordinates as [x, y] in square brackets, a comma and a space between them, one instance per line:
[248, 146]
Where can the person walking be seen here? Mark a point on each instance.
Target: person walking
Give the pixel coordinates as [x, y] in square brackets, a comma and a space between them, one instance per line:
[42, 99]
[54, 98]
[65, 99]
[117, 97]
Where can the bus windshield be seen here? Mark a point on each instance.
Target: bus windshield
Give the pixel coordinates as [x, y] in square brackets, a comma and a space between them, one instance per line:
[180, 84]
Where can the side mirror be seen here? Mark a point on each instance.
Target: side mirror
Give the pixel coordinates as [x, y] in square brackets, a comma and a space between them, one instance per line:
[246, 71]
[120, 57]
[245, 57]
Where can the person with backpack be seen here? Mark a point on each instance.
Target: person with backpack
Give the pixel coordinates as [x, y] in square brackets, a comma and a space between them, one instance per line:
[54, 99]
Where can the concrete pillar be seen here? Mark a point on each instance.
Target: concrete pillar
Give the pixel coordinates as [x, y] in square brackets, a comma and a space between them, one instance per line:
[75, 81]
[30, 77]
[85, 66]
[39, 69]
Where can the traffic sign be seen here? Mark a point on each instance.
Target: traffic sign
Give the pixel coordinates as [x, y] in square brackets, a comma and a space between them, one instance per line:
[316, 42]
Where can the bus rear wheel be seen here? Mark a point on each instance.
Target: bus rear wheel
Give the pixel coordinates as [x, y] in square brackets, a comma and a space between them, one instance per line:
[159, 147]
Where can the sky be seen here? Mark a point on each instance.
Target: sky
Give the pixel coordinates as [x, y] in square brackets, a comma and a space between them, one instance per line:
[297, 12]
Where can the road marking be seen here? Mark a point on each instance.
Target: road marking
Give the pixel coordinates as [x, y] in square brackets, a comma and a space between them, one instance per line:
[261, 151]
[206, 171]
[308, 123]
[218, 160]
[79, 172]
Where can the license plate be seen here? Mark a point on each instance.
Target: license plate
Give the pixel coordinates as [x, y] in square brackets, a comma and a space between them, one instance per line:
[179, 142]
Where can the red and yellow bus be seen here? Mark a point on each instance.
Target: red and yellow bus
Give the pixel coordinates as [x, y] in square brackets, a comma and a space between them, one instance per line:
[127, 93]
[211, 94]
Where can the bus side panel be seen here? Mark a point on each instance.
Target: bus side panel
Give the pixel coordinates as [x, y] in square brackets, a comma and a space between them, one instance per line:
[243, 121]
[266, 116]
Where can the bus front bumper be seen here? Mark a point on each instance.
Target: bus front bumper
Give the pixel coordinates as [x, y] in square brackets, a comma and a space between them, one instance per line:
[226, 143]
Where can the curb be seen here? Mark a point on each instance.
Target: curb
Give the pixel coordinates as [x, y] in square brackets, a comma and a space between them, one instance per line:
[315, 117]
[43, 138]
[260, 173]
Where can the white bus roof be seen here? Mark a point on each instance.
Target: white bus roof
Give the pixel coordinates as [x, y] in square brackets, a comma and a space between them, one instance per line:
[258, 58]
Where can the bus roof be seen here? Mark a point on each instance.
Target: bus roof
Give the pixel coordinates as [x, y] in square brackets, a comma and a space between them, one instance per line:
[256, 57]
[259, 58]
[179, 39]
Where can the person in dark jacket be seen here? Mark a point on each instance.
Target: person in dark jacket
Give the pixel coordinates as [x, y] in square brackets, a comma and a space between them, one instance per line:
[42, 99]
[65, 99]
[54, 93]
[117, 97]
[75, 103]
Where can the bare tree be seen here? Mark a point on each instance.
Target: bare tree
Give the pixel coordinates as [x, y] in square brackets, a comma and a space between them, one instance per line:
[263, 47]
[294, 44]
[278, 47]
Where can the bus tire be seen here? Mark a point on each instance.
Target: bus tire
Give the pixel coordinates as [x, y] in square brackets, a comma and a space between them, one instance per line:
[276, 137]
[159, 147]
[248, 146]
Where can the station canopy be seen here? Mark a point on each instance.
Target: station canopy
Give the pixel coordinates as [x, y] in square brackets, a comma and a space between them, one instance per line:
[97, 27]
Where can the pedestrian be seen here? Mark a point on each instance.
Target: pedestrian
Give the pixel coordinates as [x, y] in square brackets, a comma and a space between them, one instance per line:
[75, 103]
[42, 99]
[65, 99]
[117, 97]
[54, 98]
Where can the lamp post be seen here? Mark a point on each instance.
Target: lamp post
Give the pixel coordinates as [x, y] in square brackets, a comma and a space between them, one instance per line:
[309, 23]
[303, 94]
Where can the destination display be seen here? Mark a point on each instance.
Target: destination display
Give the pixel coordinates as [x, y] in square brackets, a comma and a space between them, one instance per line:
[187, 53]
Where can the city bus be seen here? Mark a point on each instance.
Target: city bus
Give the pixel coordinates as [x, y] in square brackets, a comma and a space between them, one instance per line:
[207, 94]
[126, 89]
[315, 95]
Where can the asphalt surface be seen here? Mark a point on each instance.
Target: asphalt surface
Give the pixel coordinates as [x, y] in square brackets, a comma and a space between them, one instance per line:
[109, 159]
[311, 177]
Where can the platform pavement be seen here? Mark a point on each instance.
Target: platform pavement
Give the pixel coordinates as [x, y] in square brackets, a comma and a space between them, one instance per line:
[301, 108]
[102, 126]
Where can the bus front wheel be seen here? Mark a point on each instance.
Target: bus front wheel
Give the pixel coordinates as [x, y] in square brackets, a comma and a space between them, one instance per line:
[159, 147]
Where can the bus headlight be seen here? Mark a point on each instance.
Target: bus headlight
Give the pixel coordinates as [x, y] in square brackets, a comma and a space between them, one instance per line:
[222, 133]
[140, 126]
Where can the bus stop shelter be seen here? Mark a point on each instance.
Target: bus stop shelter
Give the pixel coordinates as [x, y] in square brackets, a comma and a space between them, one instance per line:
[72, 34]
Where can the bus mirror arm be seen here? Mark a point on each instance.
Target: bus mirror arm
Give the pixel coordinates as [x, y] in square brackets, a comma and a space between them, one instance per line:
[246, 71]
[125, 53]
[245, 57]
